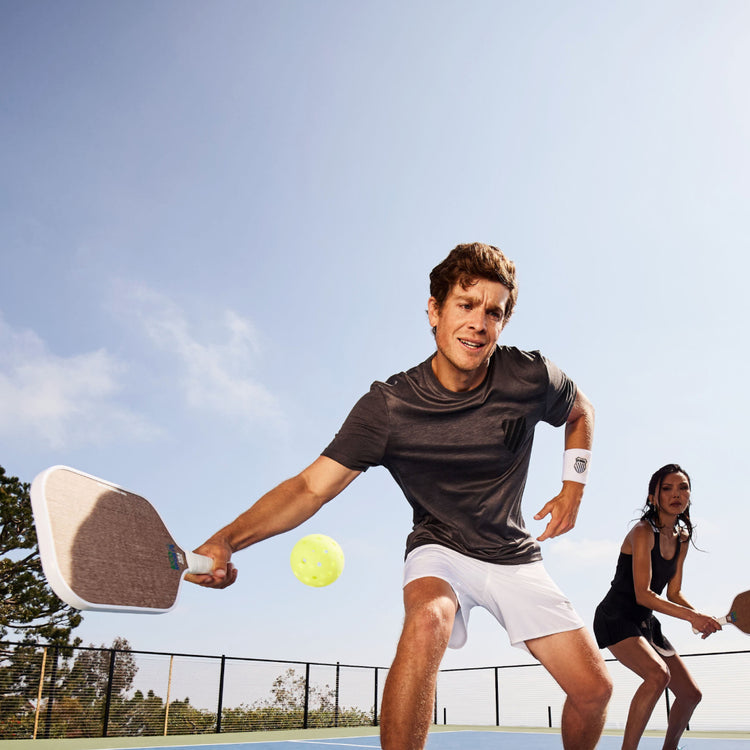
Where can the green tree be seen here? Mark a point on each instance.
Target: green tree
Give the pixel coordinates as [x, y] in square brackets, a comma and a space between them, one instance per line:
[29, 609]
[81, 687]
[88, 677]
[143, 715]
[186, 719]
[286, 708]
[288, 693]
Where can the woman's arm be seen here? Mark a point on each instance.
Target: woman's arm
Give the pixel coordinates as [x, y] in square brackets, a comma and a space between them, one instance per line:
[675, 605]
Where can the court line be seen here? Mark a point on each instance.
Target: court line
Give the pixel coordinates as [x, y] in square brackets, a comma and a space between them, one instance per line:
[329, 743]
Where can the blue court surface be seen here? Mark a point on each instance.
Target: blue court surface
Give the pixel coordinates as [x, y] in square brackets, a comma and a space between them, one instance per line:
[470, 740]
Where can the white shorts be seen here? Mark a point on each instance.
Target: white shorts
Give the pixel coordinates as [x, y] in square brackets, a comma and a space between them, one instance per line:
[522, 598]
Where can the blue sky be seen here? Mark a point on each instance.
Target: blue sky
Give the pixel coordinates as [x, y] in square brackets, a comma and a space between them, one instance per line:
[217, 223]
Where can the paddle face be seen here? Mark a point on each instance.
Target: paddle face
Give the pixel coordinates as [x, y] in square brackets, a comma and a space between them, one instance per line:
[739, 615]
[102, 547]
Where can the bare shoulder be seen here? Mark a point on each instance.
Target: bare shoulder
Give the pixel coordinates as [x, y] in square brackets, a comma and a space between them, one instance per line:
[641, 536]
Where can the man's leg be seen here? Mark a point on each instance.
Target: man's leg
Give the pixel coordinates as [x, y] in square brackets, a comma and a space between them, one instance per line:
[573, 659]
[409, 693]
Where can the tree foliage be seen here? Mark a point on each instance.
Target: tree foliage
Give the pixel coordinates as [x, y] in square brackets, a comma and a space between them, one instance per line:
[88, 677]
[285, 709]
[65, 690]
[29, 609]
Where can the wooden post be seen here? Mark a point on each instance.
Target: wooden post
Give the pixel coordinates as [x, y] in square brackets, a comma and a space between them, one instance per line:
[39, 692]
[169, 690]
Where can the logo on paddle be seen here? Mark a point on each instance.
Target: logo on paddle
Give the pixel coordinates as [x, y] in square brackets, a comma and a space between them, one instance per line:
[175, 557]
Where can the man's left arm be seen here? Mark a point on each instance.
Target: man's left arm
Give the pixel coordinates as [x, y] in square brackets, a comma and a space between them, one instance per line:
[579, 436]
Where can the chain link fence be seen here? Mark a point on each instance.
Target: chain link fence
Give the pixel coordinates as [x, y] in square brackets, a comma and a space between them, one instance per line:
[526, 695]
[55, 692]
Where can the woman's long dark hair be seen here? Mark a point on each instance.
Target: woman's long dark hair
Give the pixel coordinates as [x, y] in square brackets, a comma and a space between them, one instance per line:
[651, 512]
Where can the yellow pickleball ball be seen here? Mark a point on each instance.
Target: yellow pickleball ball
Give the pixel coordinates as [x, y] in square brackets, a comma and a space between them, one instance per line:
[317, 560]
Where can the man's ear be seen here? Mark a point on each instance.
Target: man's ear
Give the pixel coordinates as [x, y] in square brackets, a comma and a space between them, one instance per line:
[433, 311]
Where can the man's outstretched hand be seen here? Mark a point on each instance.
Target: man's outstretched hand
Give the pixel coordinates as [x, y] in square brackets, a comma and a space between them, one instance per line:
[563, 510]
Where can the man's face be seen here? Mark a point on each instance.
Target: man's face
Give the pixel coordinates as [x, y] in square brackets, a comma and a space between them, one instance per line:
[467, 328]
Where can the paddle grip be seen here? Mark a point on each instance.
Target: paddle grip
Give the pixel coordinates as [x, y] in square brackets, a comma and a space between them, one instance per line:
[721, 620]
[198, 563]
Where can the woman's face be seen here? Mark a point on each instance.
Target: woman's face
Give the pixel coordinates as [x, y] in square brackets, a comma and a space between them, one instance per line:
[674, 494]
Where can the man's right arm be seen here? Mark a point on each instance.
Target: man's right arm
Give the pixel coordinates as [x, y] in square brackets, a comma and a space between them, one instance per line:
[283, 508]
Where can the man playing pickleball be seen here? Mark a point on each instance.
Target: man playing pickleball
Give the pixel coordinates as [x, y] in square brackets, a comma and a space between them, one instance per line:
[456, 434]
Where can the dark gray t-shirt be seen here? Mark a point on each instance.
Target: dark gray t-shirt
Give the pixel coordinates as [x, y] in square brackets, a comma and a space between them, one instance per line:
[461, 459]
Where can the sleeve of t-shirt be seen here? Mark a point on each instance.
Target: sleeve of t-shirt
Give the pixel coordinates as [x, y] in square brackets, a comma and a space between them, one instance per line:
[561, 395]
[361, 441]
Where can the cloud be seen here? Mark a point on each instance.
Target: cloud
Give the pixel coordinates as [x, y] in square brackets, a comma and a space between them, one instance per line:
[62, 401]
[66, 401]
[214, 364]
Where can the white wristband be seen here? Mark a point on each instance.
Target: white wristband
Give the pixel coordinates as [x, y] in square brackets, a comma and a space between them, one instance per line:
[576, 464]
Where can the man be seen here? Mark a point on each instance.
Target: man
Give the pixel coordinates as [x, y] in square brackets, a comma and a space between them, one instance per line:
[456, 434]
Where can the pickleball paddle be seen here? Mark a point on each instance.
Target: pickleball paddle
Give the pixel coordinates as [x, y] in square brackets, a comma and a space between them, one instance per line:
[739, 613]
[105, 548]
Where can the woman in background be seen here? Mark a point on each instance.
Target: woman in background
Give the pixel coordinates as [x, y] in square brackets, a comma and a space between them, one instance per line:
[652, 558]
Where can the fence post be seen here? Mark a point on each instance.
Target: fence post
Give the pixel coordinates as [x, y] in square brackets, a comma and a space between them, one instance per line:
[39, 692]
[169, 691]
[307, 695]
[336, 707]
[497, 697]
[375, 702]
[219, 707]
[52, 683]
[108, 699]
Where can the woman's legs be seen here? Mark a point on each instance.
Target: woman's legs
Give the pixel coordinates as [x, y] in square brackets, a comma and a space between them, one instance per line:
[687, 696]
[638, 655]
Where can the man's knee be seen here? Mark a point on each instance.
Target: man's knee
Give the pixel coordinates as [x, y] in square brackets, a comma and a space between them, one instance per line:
[601, 690]
[430, 622]
[593, 695]
[573, 659]
[604, 687]
[430, 612]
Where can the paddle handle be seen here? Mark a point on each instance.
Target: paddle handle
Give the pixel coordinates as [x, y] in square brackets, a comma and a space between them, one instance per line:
[198, 563]
[721, 620]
